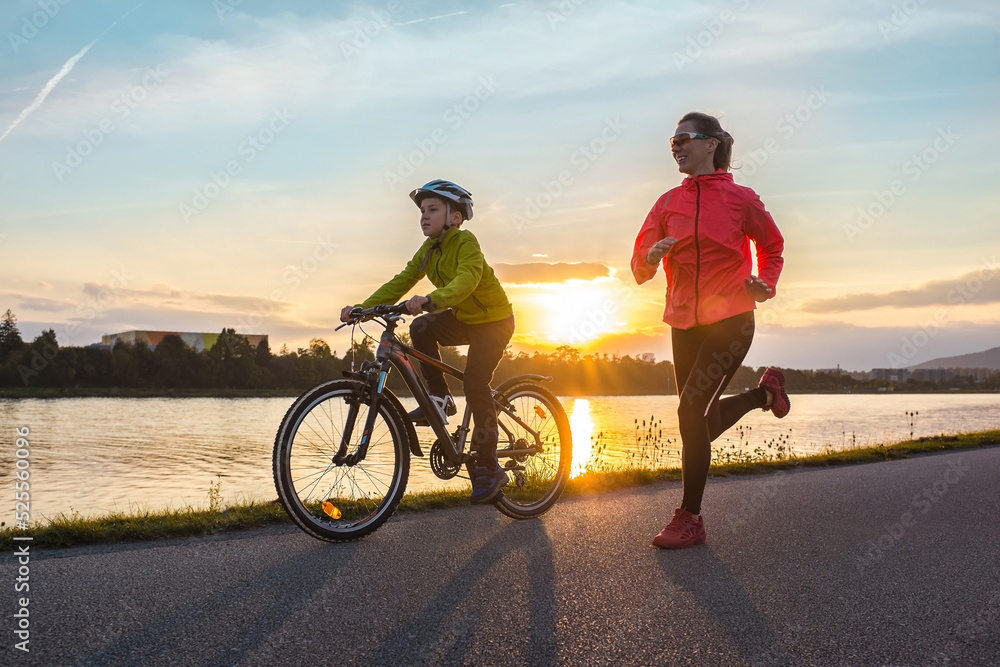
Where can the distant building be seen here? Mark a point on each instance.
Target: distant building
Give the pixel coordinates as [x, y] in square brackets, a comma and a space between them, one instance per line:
[889, 374]
[932, 374]
[196, 341]
[830, 371]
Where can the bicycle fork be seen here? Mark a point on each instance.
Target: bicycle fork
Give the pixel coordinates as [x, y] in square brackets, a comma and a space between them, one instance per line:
[374, 391]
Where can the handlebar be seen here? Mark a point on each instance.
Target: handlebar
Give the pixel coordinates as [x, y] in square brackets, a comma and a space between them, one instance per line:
[365, 314]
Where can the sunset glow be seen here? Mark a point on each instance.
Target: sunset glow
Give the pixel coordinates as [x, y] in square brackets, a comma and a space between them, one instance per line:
[226, 197]
[574, 312]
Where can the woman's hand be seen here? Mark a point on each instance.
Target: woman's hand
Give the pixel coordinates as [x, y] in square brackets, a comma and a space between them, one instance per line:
[416, 304]
[345, 313]
[757, 288]
[659, 250]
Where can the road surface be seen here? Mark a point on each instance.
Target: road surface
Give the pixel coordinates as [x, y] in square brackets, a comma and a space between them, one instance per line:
[892, 563]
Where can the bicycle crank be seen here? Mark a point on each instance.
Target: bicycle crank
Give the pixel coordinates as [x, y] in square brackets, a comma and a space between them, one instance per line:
[441, 466]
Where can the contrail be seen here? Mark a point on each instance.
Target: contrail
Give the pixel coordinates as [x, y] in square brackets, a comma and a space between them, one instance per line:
[54, 81]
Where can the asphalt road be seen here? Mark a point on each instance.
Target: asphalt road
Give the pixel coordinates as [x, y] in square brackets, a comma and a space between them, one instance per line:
[885, 564]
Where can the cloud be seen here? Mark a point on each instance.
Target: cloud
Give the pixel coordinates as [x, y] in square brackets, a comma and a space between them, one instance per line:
[44, 305]
[165, 296]
[543, 272]
[976, 287]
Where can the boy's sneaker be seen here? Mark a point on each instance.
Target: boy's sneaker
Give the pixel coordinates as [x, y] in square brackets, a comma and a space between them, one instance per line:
[487, 484]
[774, 381]
[445, 403]
[683, 531]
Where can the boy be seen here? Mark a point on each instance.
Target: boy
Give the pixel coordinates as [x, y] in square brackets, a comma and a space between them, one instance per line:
[469, 307]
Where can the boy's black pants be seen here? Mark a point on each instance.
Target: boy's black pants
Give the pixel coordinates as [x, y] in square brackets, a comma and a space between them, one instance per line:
[487, 343]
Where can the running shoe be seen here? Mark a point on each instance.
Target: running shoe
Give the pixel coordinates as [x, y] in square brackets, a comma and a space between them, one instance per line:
[444, 403]
[487, 484]
[774, 381]
[684, 530]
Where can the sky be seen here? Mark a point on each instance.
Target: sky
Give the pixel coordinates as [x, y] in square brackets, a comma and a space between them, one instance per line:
[190, 166]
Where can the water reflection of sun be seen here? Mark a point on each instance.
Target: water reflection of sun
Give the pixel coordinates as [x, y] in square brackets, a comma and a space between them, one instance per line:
[582, 427]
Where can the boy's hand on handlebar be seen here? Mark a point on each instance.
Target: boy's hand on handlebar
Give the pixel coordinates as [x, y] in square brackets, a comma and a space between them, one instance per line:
[757, 288]
[345, 313]
[416, 304]
[659, 250]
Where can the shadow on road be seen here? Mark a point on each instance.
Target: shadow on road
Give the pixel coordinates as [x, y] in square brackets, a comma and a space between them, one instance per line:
[438, 635]
[704, 576]
[254, 609]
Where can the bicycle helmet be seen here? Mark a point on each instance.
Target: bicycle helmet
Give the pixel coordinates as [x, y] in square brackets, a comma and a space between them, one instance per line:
[448, 191]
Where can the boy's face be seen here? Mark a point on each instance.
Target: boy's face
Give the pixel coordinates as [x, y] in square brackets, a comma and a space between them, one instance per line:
[433, 212]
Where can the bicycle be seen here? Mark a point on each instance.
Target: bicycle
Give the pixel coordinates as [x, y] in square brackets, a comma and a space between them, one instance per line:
[338, 484]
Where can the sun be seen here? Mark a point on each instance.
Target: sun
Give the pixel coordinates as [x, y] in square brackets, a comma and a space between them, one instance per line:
[576, 311]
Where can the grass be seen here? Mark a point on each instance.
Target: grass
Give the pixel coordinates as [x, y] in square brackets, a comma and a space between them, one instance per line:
[138, 525]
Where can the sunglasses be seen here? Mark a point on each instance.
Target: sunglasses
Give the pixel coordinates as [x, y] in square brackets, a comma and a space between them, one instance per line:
[681, 138]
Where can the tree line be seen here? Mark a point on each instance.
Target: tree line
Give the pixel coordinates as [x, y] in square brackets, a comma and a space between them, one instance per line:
[234, 363]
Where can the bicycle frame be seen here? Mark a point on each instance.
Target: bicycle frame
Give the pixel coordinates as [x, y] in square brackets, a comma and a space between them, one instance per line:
[393, 353]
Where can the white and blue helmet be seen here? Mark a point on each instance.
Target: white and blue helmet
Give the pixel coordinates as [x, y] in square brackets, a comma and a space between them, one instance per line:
[450, 192]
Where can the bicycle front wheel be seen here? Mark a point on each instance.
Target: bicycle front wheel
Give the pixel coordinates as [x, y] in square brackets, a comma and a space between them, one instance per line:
[339, 502]
[536, 420]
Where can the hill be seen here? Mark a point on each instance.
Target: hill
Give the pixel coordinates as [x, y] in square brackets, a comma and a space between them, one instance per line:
[987, 359]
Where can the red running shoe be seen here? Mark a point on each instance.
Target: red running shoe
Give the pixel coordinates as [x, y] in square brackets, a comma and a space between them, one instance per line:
[774, 381]
[683, 531]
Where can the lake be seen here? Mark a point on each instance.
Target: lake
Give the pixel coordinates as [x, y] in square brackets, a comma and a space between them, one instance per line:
[92, 455]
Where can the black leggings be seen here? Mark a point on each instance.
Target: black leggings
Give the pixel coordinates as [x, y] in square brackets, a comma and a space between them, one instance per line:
[705, 360]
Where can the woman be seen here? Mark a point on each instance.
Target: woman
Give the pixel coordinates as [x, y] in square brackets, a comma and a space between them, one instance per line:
[701, 232]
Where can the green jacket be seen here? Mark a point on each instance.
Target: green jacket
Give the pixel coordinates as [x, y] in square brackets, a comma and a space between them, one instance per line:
[465, 283]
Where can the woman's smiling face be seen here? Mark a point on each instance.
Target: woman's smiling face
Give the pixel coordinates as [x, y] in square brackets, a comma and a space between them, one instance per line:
[693, 156]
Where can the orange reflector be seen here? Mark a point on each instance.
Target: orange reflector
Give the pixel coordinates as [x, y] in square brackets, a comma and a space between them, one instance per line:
[540, 411]
[331, 510]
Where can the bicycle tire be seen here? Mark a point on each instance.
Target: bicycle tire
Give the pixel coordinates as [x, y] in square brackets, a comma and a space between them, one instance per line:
[545, 472]
[306, 478]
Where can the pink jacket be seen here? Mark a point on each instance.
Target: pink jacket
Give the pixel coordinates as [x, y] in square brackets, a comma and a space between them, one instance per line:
[713, 220]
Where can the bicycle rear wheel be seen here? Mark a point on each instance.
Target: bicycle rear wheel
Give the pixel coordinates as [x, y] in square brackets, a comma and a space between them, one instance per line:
[340, 502]
[537, 478]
